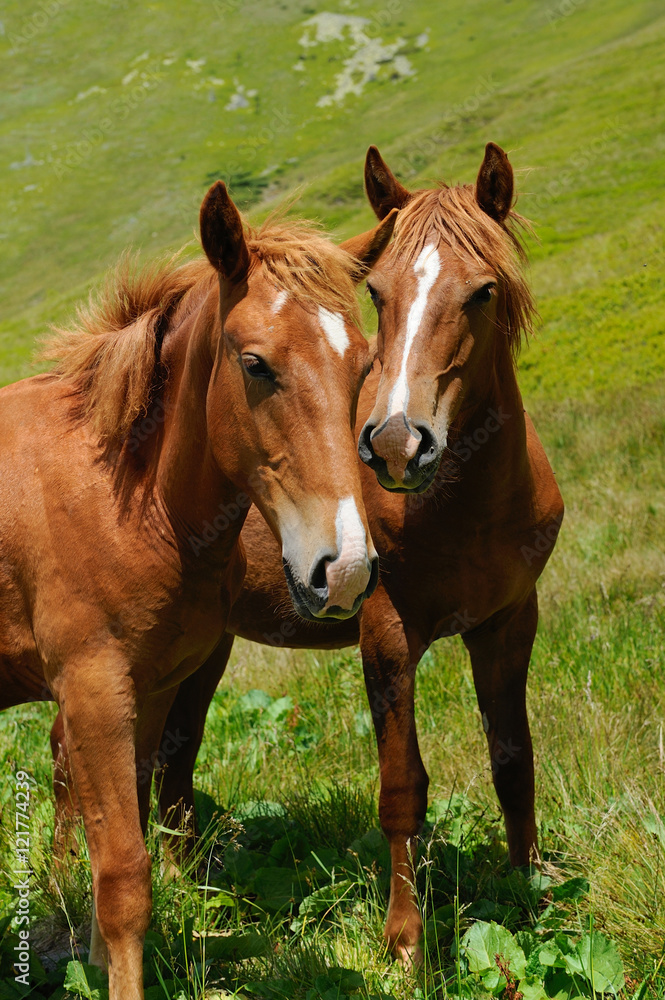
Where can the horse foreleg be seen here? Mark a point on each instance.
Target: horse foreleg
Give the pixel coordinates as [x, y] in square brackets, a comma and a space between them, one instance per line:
[100, 715]
[500, 652]
[183, 733]
[389, 663]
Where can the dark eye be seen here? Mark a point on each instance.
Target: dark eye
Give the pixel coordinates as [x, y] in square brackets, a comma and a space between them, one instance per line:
[483, 295]
[374, 295]
[257, 368]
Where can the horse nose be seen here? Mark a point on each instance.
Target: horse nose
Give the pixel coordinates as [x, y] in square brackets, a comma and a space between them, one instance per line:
[340, 582]
[397, 441]
[427, 446]
[398, 447]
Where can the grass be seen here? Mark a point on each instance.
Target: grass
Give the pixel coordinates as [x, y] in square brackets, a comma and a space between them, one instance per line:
[112, 130]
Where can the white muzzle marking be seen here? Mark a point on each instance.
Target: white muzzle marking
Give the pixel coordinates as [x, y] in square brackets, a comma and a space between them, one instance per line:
[349, 574]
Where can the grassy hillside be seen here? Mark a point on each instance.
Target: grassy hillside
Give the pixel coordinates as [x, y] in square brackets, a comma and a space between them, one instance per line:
[116, 117]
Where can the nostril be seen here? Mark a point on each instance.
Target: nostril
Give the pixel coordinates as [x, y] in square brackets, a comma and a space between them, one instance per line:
[365, 450]
[318, 581]
[373, 577]
[427, 447]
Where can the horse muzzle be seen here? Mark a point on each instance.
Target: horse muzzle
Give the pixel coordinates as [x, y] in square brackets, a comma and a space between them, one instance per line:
[404, 456]
[335, 589]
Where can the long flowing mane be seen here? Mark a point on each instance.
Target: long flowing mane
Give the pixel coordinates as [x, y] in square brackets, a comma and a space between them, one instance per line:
[453, 215]
[111, 355]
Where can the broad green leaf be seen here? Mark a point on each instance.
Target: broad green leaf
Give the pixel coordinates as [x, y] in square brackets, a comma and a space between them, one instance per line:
[277, 888]
[550, 954]
[560, 985]
[596, 959]
[157, 992]
[493, 980]
[319, 902]
[254, 700]
[86, 980]
[279, 707]
[532, 988]
[9, 991]
[236, 947]
[574, 888]
[483, 942]
[272, 989]
[217, 900]
[488, 909]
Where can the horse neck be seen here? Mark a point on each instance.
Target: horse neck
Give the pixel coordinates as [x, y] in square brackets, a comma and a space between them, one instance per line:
[190, 487]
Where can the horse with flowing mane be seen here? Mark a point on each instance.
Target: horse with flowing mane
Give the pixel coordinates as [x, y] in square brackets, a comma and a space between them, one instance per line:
[126, 474]
[463, 508]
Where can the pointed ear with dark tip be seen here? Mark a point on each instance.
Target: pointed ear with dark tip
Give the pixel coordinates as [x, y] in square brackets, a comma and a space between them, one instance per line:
[494, 186]
[368, 247]
[383, 189]
[222, 233]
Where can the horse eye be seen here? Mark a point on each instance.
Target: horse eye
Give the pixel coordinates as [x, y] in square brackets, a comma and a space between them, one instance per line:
[483, 295]
[374, 295]
[256, 367]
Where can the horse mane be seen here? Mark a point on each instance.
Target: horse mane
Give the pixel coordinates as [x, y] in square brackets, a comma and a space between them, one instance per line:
[111, 354]
[454, 216]
[301, 260]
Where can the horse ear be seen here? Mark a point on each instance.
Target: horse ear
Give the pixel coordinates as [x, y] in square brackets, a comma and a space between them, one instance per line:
[222, 233]
[494, 186]
[368, 247]
[383, 189]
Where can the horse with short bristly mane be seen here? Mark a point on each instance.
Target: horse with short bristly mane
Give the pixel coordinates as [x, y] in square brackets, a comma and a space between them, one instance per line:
[185, 391]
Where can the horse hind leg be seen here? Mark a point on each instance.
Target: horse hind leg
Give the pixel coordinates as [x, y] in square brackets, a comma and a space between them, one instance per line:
[183, 733]
[500, 651]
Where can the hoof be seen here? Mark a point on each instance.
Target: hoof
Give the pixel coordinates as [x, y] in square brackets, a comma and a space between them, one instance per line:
[409, 956]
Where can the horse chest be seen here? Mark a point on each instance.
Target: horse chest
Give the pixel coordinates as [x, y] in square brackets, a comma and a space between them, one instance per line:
[454, 573]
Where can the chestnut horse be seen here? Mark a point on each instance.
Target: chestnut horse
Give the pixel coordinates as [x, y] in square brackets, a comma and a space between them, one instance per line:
[461, 558]
[248, 366]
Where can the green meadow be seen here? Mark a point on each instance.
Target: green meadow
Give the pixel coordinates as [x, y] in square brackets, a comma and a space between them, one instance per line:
[116, 117]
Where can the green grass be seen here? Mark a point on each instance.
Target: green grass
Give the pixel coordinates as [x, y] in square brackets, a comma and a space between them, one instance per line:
[287, 773]
[574, 98]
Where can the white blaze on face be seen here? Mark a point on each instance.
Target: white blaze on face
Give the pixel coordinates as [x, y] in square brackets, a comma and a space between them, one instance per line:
[426, 270]
[334, 329]
[348, 576]
[279, 301]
